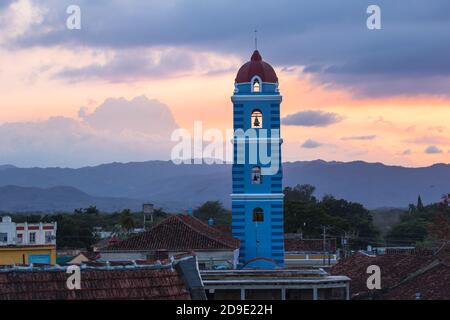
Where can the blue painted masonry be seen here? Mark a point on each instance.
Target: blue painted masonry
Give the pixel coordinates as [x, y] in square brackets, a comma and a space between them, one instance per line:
[262, 243]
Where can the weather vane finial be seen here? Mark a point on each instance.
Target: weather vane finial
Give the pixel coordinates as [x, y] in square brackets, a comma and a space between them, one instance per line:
[256, 39]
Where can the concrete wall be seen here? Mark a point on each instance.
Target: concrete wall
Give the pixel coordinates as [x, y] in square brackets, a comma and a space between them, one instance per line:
[21, 255]
[19, 233]
[205, 258]
[122, 256]
[8, 227]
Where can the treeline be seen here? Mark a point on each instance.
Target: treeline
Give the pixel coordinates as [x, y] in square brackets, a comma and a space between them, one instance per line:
[424, 226]
[303, 213]
[350, 221]
[77, 229]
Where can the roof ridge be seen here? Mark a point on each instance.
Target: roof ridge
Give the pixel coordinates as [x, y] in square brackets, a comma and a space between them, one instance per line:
[214, 230]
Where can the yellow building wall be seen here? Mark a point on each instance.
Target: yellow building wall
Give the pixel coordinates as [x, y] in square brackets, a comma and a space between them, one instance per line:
[19, 255]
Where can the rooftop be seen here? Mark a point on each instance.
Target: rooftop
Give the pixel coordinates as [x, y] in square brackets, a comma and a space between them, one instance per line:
[102, 281]
[256, 67]
[178, 233]
[403, 274]
[276, 276]
[292, 242]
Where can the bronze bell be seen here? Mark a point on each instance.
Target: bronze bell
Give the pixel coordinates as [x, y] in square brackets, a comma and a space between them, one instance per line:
[256, 123]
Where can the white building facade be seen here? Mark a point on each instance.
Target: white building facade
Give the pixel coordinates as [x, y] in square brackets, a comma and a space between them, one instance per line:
[25, 234]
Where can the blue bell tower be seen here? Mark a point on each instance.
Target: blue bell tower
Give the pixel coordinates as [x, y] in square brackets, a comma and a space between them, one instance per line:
[257, 197]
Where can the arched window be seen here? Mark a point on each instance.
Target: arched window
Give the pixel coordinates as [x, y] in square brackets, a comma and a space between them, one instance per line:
[256, 119]
[256, 175]
[256, 85]
[258, 215]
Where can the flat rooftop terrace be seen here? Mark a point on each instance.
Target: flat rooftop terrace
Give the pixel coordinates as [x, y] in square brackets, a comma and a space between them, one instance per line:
[277, 284]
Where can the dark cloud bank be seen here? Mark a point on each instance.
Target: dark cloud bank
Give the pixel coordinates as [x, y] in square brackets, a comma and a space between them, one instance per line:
[328, 38]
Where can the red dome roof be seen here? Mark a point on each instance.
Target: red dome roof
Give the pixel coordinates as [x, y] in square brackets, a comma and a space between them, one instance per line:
[256, 67]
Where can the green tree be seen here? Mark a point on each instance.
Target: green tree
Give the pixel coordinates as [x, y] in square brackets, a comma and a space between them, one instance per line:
[304, 213]
[92, 210]
[407, 233]
[420, 206]
[302, 193]
[215, 210]
[126, 220]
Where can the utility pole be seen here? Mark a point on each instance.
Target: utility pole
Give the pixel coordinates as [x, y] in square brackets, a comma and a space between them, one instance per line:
[324, 233]
[344, 244]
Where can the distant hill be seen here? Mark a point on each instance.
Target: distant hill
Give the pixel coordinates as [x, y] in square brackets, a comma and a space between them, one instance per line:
[6, 166]
[179, 187]
[30, 199]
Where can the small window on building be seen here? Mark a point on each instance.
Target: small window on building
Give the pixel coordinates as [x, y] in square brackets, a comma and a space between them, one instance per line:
[258, 215]
[3, 237]
[48, 237]
[19, 238]
[256, 175]
[256, 85]
[32, 237]
[256, 119]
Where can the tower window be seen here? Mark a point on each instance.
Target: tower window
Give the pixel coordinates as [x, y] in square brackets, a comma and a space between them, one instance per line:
[256, 86]
[256, 119]
[256, 175]
[258, 215]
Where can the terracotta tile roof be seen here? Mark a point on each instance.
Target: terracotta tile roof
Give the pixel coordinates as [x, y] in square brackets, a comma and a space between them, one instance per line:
[105, 242]
[432, 284]
[394, 268]
[432, 281]
[178, 233]
[90, 256]
[140, 283]
[223, 228]
[295, 243]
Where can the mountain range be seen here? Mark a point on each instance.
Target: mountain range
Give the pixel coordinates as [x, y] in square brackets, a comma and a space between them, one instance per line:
[116, 186]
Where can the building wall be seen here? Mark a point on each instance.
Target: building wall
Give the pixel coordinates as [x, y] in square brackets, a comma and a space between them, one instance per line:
[25, 233]
[8, 228]
[122, 256]
[276, 292]
[295, 259]
[26, 255]
[44, 233]
[209, 259]
[206, 259]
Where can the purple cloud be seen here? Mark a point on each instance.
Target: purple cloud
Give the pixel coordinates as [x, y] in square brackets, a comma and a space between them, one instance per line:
[407, 152]
[311, 118]
[366, 137]
[311, 144]
[433, 150]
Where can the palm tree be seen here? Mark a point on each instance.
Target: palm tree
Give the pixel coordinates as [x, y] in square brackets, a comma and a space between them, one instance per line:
[126, 220]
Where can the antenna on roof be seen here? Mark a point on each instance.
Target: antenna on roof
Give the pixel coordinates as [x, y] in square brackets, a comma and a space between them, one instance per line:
[256, 39]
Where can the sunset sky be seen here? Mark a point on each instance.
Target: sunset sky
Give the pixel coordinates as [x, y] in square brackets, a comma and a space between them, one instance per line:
[116, 89]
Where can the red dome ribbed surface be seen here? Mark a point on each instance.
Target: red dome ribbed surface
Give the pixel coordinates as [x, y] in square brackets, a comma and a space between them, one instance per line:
[256, 67]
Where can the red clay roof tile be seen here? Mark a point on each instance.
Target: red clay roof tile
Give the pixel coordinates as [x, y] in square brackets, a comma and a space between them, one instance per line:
[133, 284]
[179, 233]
